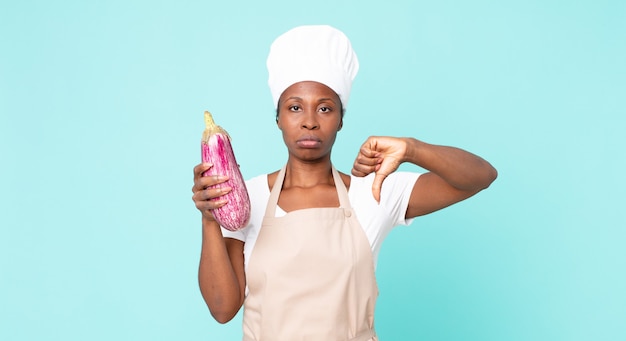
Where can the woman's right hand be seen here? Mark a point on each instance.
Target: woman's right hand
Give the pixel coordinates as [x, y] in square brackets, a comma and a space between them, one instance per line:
[221, 274]
[204, 196]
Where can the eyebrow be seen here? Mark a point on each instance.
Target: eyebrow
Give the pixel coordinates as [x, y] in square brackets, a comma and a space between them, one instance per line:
[320, 100]
[327, 99]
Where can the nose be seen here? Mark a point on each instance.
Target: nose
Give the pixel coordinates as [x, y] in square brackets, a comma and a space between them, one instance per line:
[310, 120]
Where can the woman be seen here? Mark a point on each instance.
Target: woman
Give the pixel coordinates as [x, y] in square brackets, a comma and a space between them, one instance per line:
[304, 266]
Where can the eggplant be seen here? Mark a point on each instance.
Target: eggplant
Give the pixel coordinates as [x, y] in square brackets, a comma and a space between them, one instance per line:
[217, 150]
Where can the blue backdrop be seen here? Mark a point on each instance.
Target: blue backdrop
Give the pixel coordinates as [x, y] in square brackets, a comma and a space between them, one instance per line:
[101, 109]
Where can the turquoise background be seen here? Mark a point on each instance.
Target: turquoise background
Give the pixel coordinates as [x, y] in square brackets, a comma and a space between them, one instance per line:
[101, 108]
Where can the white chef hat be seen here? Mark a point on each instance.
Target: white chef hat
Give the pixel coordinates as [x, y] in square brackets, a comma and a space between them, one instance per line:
[319, 53]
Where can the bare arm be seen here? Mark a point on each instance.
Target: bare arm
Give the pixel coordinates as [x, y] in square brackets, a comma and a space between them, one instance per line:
[221, 271]
[453, 174]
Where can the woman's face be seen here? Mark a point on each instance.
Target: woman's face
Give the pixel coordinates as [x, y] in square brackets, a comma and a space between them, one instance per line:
[309, 115]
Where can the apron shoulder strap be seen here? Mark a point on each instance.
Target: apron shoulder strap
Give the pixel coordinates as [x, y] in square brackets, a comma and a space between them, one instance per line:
[342, 192]
[270, 208]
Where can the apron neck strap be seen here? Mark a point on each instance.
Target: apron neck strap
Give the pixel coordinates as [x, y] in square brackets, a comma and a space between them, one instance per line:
[342, 192]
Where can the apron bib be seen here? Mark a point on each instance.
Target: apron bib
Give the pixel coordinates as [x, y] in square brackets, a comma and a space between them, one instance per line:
[310, 275]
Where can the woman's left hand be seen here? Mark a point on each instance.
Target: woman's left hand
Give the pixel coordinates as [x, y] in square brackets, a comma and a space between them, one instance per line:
[382, 155]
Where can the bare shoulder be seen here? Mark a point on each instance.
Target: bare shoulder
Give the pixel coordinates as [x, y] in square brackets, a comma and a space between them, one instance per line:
[271, 179]
[346, 179]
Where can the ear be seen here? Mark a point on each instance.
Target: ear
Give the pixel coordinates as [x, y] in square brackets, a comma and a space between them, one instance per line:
[278, 114]
[340, 124]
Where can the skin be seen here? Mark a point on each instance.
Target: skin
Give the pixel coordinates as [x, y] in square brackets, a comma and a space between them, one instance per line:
[309, 117]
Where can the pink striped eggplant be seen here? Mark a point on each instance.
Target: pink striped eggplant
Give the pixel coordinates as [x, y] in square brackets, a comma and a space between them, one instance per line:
[217, 149]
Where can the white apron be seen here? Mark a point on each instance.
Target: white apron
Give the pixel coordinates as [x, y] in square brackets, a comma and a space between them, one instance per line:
[310, 275]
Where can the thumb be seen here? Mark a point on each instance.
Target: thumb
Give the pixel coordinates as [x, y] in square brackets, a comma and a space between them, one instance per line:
[377, 185]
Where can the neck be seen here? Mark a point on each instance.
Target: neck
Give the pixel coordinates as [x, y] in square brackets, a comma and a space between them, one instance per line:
[298, 174]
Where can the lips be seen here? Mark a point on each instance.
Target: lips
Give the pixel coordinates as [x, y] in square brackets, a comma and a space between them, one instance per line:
[309, 141]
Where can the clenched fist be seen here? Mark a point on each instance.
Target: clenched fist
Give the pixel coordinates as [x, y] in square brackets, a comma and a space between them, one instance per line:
[381, 155]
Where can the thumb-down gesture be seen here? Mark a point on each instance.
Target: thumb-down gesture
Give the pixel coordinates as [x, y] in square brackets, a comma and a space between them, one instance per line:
[381, 155]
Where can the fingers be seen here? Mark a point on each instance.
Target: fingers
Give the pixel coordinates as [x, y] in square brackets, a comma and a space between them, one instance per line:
[211, 194]
[209, 199]
[363, 169]
[369, 149]
[200, 169]
[202, 180]
[208, 181]
[208, 189]
[366, 162]
[380, 155]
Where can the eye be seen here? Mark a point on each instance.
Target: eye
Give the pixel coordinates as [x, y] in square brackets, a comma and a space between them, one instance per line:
[325, 109]
[294, 108]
